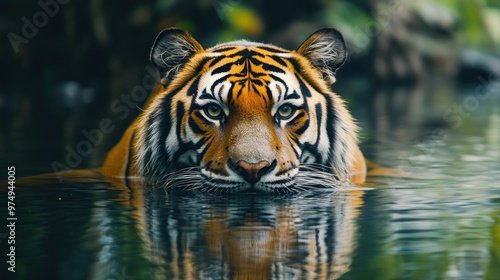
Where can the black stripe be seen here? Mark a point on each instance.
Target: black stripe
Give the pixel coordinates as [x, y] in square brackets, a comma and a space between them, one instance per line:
[129, 162]
[216, 60]
[255, 89]
[270, 94]
[303, 88]
[272, 68]
[179, 115]
[222, 69]
[202, 63]
[217, 181]
[206, 141]
[293, 95]
[299, 115]
[165, 125]
[218, 81]
[192, 124]
[302, 129]
[279, 60]
[230, 95]
[255, 61]
[149, 133]
[297, 143]
[276, 78]
[256, 74]
[319, 118]
[331, 118]
[256, 82]
[292, 167]
[246, 53]
[313, 147]
[240, 91]
[193, 88]
[223, 49]
[295, 65]
[179, 87]
[183, 148]
[205, 95]
[163, 115]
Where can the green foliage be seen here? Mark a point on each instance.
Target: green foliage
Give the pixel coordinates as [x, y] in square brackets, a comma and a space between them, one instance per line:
[351, 20]
[163, 6]
[478, 22]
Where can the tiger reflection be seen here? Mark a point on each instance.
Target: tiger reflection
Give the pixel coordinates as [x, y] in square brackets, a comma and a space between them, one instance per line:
[187, 236]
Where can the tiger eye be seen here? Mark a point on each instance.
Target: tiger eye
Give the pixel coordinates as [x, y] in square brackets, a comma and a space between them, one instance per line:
[213, 111]
[285, 111]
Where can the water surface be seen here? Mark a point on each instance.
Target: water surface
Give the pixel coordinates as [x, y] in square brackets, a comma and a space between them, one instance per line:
[442, 224]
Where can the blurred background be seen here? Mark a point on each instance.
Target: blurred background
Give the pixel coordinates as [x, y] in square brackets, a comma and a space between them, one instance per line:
[422, 79]
[65, 62]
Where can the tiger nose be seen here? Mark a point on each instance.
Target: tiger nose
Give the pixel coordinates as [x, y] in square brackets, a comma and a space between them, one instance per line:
[252, 172]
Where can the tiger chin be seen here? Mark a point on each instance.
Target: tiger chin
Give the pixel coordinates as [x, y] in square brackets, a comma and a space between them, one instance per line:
[242, 116]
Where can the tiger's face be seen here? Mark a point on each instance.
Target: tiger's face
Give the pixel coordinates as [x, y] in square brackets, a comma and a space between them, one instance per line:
[245, 115]
[255, 121]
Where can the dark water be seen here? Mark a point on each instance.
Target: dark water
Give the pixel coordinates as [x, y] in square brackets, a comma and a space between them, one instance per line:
[443, 224]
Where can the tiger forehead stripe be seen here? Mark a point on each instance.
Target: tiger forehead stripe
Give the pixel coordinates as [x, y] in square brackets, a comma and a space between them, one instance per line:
[264, 66]
[257, 56]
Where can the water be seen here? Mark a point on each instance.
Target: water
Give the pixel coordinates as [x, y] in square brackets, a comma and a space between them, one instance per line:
[442, 224]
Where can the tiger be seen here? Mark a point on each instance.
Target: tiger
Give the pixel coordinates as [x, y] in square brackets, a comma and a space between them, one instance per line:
[242, 116]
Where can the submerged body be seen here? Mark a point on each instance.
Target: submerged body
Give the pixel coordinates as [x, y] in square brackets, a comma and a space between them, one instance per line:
[242, 115]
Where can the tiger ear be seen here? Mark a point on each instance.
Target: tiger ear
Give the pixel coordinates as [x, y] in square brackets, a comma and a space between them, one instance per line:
[172, 49]
[326, 50]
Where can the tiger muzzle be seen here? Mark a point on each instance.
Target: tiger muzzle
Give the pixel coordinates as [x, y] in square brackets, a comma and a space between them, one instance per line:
[252, 172]
[250, 152]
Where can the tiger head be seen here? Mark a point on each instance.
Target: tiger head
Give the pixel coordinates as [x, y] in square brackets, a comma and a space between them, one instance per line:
[245, 115]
